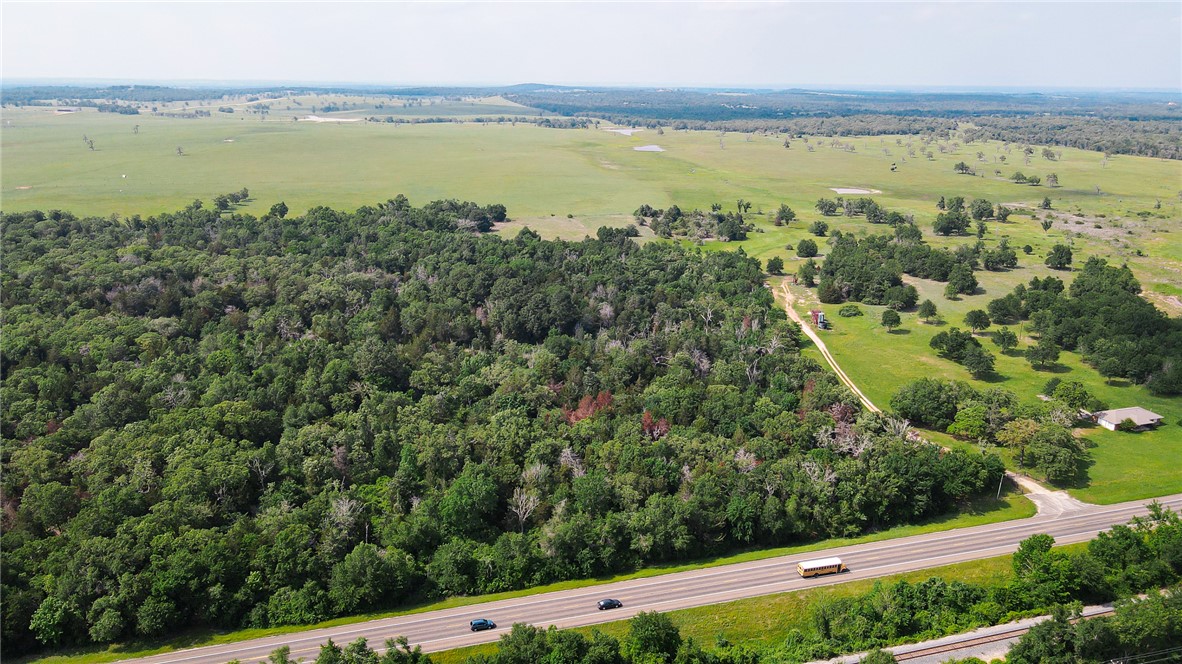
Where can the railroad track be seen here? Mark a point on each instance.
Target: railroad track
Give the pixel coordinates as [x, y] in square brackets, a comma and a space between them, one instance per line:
[979, 641]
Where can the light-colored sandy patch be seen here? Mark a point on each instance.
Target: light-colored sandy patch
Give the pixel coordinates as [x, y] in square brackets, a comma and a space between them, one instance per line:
[625, 132]
[227, 140]
[854, 190]
[649, 148]
[24, 186]
[317, 118]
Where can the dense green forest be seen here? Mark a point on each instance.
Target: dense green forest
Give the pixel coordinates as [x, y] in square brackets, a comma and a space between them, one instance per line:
[215, 419]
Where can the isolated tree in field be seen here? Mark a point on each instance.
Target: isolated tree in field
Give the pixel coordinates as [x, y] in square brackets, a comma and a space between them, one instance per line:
[977, 320]
[978, 361]
[1043, 353]
[807, 273]
[775, 265]
[1005, 339]
[890, 319]
[786, 143]
[90, 144]
[952, 222]
[135, 129]
[784, 215]
[1003, 213]
[806, 248]
[1046, 203]
[826, 207]
[981, 209]
[180, 151]
[819, 228]
[278, 210]
[940, 204]
[927, 311]
[961, 278]
[982, 228]
[1033, 180]
[950, 291]
[1052, 180]
[1049, 154]
[1059, 258]
[962, 168]
[1046, 224]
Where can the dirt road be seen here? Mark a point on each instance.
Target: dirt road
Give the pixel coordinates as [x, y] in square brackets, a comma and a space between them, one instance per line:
[790, 300]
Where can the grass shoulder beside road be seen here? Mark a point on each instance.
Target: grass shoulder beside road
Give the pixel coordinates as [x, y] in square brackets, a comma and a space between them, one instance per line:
[1012, 505]
[765, 621]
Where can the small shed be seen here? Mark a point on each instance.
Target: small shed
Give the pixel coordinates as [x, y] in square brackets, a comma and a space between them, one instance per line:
[1141, 418]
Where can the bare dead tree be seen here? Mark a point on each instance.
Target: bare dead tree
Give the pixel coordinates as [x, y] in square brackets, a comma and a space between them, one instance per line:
[523, 504]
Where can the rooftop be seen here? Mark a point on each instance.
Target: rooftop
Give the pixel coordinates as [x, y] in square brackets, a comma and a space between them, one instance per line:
[1138, 415]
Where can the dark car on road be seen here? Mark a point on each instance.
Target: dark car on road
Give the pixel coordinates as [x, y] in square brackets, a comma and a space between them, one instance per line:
[609, 604]
[481, 624]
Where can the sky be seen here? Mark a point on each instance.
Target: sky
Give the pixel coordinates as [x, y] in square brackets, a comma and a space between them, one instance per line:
[913, 45]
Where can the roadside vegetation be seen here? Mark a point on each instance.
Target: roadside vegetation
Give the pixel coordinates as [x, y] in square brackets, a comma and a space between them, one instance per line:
[866, 615]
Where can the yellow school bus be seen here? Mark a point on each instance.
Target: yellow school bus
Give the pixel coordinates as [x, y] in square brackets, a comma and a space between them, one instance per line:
[822, 566]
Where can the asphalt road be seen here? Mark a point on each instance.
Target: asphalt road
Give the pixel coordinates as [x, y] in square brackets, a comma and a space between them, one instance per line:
[446, 629]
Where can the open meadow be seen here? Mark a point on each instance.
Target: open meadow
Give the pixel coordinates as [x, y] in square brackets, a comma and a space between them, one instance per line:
[568, 182]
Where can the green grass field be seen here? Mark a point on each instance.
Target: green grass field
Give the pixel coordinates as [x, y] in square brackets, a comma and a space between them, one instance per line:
[597, 178]
[1012, 505]
[1125, 466]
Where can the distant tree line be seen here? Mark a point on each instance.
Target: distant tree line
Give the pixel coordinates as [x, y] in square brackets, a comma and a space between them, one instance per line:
[1117, 124]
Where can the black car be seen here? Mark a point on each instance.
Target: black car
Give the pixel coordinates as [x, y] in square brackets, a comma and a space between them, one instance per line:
[605, 604]
[481, 624]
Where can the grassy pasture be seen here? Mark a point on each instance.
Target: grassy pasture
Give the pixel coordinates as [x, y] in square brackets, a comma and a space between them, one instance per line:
[597, 178]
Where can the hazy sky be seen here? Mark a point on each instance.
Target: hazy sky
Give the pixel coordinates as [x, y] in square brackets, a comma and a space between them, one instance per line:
[1041, 44]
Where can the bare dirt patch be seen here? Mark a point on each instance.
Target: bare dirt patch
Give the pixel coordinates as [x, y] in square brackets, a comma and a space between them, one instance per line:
[625, 132]
[649, 148]
[854, 190]
[1104, 228]
[23, 187]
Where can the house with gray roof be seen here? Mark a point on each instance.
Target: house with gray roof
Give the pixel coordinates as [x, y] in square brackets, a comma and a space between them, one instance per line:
[1141, 418]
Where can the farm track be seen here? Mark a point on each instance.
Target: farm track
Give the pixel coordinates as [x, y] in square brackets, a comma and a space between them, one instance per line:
[816, 339]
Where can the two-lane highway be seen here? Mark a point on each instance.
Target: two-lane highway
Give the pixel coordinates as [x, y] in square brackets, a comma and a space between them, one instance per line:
[446, 629]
